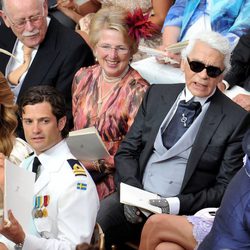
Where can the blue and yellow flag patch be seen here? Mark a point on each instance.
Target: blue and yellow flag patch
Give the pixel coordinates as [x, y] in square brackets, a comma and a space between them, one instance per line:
[81, 186]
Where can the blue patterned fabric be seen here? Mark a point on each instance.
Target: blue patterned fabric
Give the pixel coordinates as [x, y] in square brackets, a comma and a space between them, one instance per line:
[231, 18]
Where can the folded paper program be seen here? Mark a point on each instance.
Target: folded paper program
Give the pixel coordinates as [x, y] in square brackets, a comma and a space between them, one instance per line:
[6, 53]
[174, 48]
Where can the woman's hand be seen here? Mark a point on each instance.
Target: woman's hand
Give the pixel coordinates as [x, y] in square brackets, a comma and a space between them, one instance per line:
[170, 58]
[243, 100]
[66, 4]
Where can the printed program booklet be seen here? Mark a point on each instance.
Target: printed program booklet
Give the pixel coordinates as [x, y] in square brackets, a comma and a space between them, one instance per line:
[86, 144]
[18, 193]
[138, 197]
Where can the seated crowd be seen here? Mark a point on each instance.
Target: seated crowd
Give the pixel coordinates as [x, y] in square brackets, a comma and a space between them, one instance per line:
[184, 140]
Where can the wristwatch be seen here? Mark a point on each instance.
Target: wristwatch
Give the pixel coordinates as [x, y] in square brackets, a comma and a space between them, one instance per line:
[18, 246]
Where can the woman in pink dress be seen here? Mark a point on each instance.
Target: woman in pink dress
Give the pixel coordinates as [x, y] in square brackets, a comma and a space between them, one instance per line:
[108, 94]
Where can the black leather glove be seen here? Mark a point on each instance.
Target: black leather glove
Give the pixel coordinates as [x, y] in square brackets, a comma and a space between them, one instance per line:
[132, 214]
[161, 203]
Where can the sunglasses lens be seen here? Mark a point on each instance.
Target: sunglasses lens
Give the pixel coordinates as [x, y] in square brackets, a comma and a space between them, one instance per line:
[198, 67]
[213, 71]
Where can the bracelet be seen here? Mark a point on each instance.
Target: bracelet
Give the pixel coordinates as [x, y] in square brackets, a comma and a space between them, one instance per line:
[19, 246]
[97, 165]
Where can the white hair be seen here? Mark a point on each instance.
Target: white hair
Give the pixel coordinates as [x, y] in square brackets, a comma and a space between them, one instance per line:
[3, 3]
[216, 41]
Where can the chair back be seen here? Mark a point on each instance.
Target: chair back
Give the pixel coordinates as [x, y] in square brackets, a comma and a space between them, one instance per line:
[98, 237]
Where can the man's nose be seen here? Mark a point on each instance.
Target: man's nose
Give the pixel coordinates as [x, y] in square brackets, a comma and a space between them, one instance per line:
[36, 128]
[203, 74]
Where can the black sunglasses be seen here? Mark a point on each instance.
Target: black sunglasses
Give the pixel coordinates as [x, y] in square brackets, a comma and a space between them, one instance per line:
[197, 67]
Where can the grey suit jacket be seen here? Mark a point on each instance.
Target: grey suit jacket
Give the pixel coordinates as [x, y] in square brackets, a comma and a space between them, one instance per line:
[215, 157]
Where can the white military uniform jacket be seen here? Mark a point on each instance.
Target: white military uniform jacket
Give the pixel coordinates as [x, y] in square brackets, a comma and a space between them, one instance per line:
[67, 197]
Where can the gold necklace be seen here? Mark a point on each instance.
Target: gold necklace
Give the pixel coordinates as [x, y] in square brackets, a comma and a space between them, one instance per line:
[115, 81]
[102, 98]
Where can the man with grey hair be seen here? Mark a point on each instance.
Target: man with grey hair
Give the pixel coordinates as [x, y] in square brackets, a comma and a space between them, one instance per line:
[50, 52]
[184, 145]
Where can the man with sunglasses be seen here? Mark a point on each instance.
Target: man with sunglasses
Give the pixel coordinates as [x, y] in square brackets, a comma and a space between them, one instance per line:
[193, 171]
[56, 51]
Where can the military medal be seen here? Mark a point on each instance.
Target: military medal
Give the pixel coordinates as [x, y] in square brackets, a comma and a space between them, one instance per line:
[40, 207]
[40, 213]
[46, 199]
[37, 206]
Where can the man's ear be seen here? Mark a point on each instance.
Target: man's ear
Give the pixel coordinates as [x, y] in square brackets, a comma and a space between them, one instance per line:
[45, 6]
[182, 66]
[62, 122]
[5, 19]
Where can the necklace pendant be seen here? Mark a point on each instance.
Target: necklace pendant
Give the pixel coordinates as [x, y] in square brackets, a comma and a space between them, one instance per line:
[184, 120]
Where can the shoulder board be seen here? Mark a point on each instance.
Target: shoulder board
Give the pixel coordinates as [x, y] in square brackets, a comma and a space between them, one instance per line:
[77, 168]
[29, 155]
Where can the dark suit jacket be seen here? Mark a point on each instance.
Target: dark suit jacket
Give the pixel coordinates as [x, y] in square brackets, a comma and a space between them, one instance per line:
[214, 159]
[58, 58]
[240, 60]
[231, 228]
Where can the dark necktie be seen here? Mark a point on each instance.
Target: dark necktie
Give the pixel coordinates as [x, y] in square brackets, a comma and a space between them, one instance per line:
[183, 118]
[35, 167]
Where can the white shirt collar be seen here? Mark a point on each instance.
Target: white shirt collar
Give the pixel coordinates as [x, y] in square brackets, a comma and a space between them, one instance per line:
[187, 96]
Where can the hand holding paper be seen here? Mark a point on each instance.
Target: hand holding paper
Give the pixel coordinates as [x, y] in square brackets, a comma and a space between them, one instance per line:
[12, 229]
[161, 203]
[138, 198]
[132, 214]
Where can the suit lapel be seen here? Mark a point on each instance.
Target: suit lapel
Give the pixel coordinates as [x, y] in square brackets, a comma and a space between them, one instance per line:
[42, 181]
[52, 165]
[45, 57]
[165, 104]
[7, 43]
[211, 121]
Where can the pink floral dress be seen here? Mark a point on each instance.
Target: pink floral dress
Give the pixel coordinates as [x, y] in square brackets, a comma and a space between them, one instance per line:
[114, 118]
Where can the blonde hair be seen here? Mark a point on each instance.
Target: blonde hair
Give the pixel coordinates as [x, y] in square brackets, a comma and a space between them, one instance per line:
[8, 119]
[111, 18]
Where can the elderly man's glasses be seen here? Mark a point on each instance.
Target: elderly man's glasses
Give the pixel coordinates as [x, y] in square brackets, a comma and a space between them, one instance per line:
[119, 49]
[197, 67]
[19, 24]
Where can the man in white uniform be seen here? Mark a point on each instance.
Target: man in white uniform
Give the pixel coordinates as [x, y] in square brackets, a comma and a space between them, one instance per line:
[66, 200]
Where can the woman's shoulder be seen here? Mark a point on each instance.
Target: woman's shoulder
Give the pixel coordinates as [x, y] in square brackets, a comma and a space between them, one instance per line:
[135, 77]
[20, 151]
[86, 72]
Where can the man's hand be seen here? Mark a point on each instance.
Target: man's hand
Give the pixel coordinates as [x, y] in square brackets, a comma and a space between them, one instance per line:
[161, 203]
[243, 100]
[132, 214]
[12, 229]
[3, 247]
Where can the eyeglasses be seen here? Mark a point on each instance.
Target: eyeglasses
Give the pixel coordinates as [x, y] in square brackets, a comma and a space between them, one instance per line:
[119, 49]
[19, 24]
[197, 67]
